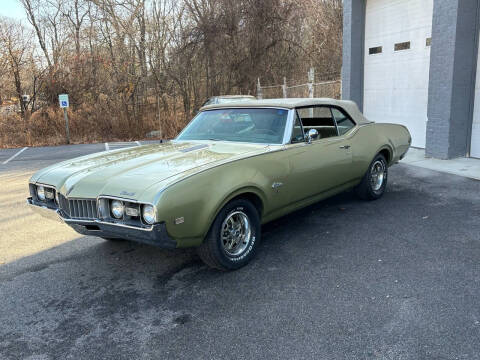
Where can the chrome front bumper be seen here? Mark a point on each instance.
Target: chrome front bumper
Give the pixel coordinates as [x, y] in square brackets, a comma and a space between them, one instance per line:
[46, 212]
[156, 235]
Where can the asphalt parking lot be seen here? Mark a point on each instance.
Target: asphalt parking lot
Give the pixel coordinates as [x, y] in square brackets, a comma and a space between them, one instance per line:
[397, 278]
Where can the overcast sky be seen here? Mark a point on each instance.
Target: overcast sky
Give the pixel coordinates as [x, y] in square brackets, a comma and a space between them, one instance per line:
[12, 8]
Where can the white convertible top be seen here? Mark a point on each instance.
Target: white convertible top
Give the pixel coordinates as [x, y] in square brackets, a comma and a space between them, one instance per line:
[349, 106]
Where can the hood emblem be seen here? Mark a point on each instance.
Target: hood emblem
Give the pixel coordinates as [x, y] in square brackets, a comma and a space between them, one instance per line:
[126, 193]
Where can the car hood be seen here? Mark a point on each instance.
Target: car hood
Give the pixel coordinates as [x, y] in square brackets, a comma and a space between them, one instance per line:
[128, 172]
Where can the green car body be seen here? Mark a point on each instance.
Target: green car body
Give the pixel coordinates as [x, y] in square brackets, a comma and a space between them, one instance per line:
[189, 182]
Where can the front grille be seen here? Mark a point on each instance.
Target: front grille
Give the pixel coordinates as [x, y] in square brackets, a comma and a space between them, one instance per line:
[78, 208]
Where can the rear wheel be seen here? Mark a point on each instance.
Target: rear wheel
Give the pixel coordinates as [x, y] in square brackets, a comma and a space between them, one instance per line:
[374, 181]
[233, 238]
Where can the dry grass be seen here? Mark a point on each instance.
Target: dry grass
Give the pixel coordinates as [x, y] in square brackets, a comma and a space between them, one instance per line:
[100, 122]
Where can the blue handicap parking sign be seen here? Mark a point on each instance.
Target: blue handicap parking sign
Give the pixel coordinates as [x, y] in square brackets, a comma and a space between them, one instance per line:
[63, 100]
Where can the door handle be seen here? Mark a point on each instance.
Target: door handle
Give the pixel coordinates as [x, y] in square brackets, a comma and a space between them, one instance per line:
[345, 147]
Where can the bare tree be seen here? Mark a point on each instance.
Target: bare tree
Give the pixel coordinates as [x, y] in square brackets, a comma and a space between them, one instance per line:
[75, 11]
[131, 66]
[32, 9]
[16, 46]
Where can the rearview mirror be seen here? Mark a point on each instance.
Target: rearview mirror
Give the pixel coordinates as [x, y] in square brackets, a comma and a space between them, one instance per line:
[312, 134]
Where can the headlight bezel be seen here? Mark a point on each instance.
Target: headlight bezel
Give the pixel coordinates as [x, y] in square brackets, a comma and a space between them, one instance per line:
[104, 204]
[49, 193]
[44, 193]
[152, 217]
[120, 209]
[40, 189]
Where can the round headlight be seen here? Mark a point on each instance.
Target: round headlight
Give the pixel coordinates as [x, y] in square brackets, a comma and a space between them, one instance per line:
[49, 193]
[148, 214]
[41, 193]
[117, 209]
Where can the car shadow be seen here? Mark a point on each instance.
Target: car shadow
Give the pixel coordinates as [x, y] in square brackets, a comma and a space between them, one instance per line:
[125, 255]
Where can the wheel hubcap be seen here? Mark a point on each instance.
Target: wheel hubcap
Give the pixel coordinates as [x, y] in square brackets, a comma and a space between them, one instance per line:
[377, 175]
[236, 233]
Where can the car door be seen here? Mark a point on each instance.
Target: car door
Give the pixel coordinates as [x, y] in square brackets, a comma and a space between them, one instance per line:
[323, 164]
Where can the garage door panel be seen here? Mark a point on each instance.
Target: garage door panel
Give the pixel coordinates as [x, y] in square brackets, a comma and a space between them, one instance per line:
[396, 82]
[475, 140]
[475, 147]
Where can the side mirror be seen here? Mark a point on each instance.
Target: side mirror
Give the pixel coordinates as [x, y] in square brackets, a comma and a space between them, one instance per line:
[312, 134]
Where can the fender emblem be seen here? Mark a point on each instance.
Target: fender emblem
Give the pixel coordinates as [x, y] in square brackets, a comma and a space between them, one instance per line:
[276, 185]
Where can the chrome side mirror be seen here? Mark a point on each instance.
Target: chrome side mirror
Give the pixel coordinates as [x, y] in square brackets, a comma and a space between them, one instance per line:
[312, 134]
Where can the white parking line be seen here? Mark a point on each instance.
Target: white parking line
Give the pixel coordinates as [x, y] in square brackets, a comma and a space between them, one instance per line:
[107, 147]
[138, 143]
[15, 155]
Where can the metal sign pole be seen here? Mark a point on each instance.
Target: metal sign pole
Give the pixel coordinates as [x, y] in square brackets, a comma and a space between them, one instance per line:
[64, 104]
[65, 115]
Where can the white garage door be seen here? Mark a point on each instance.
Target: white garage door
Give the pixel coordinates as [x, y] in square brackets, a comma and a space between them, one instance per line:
[475, 144]
[397, 61]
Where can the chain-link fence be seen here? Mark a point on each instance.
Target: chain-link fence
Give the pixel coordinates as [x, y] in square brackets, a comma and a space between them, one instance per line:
[328, 89]
[331, 87]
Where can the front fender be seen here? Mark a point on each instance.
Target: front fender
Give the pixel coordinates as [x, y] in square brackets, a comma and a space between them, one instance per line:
[190, 206]
[252, 189]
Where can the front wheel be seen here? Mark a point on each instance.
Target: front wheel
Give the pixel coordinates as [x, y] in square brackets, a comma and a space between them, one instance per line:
[233, 238]
[374, 181]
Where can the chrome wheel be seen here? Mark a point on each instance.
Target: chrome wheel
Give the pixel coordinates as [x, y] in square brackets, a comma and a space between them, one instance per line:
[236, 233]
[378, 173]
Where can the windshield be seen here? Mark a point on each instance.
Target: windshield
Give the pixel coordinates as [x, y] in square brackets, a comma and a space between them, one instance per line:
[254, 125]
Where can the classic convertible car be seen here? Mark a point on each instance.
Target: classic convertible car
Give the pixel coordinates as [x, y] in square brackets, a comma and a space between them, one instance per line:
[234, 167]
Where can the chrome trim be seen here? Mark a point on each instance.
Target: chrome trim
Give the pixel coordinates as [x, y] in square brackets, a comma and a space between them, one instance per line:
[56, 215]
[378, 173]
[44, 211]
[132, 201]
[312, 134]
[36, 184]
[112, 197]
[287, 135]
[213, 142]
[276, 185]
[236, 233]
[44, 185]
[80, 205]
[96, 221]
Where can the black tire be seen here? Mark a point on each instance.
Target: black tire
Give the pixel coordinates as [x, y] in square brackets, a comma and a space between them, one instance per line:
[213, 252]
[366, 189]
